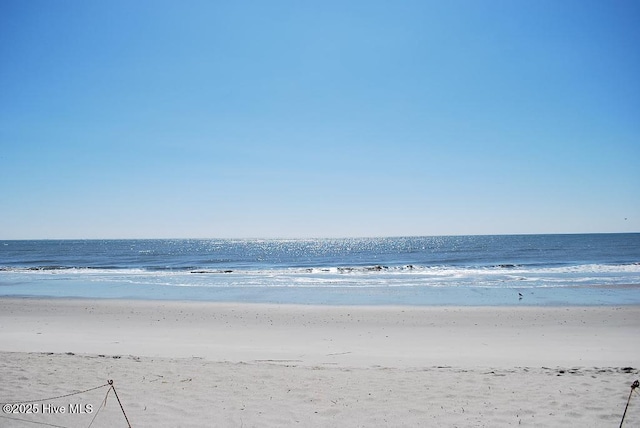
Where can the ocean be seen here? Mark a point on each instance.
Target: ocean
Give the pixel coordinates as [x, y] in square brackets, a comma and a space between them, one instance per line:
[589, 269]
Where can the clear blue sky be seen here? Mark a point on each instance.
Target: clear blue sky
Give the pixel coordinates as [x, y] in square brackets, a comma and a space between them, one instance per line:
[134, 119]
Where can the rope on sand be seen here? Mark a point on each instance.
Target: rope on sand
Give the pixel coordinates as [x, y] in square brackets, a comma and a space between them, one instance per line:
[57, 397]
[120, 403]
[104, 403]
[634, 385]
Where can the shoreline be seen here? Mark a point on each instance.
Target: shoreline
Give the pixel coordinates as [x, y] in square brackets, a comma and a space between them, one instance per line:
[225, 364]
[412, 296]
[514, 303]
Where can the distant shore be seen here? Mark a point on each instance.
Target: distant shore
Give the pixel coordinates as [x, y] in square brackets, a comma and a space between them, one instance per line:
[354, 365]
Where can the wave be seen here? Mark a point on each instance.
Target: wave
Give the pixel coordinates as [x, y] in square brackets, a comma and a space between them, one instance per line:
[412, 269]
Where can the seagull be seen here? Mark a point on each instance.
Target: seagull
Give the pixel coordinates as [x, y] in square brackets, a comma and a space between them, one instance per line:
[520, 294]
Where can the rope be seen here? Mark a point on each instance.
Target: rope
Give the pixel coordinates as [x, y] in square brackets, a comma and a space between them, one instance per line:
[103, 405]
[119, 402]
[59, 396]
[634, 385]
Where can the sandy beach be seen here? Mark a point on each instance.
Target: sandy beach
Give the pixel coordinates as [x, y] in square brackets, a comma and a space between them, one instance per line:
[191, 364]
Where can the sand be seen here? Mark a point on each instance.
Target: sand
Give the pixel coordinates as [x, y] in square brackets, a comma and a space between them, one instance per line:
[197, 364]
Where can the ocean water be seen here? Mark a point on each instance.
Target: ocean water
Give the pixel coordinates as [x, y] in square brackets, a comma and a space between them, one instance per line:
[593, 269]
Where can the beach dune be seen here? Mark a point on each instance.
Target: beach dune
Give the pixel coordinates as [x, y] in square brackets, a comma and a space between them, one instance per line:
[212, 364]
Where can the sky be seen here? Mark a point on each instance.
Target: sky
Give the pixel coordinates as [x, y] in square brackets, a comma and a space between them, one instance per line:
[300, 119]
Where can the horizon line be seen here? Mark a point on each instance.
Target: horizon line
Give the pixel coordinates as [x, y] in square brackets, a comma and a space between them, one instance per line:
[318, 238]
